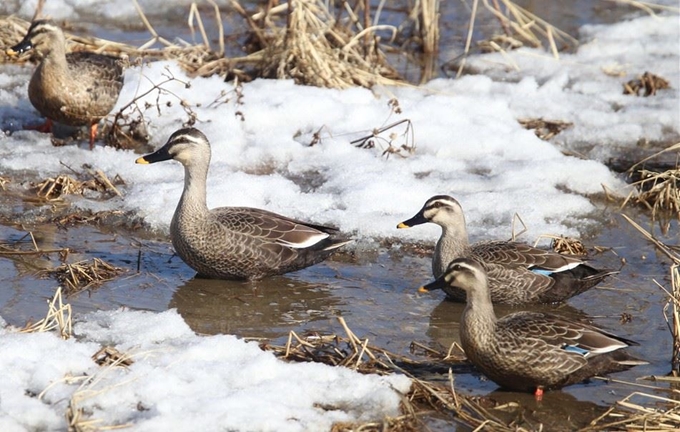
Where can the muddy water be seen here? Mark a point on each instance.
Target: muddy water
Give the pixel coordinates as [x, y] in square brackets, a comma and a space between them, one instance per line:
[374, 290]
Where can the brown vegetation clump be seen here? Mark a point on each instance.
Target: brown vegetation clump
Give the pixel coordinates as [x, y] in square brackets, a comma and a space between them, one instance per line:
[110, 356]
[545, 129]
[658, 191]
[645, 85]
[84, 275]
[315, 48]
[52, 189]
[59, 317]
[569, 246]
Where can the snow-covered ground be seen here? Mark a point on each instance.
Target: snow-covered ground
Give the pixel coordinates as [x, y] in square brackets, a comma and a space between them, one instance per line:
[178, 381]
[468, 143]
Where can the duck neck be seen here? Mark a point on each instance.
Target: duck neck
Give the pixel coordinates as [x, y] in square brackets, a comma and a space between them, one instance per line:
[479, 317]
[451, 245]
[55, 55]
[192, 204]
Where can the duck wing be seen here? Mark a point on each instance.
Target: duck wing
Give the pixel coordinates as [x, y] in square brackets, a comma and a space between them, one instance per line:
[570, 336]
[524, 255]
[274, 231]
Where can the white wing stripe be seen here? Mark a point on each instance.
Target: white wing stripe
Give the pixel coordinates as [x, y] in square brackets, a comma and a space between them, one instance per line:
[310, 241]
[563, 268]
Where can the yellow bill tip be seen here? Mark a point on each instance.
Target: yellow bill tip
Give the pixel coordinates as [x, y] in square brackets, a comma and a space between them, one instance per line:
[10, 52]
[423, 290]
[142, 161]
[402, 225]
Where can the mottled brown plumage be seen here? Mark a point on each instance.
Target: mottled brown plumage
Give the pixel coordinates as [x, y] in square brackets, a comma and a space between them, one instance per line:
[526, 351]
[518, 273]
[235, 242]
[76, 89]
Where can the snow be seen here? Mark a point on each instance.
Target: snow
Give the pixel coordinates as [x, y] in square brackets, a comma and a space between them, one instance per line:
[468, 143]
[178, 381]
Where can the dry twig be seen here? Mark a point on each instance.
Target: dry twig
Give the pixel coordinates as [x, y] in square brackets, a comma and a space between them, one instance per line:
[84, 275]
[545, 129]
[58, 318]
[647, 84]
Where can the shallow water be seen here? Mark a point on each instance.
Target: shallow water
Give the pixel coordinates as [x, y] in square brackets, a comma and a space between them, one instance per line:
[374, 290]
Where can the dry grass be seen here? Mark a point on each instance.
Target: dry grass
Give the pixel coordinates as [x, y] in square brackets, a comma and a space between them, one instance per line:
[639, 411]
[545, 129]
[427, 399]
[79, 419]
[673, 294]
[317, 48]
[111, 217]
[399, 144]
[91, 180]
[58, 318]
[110, 356]
[520, 24]
[15, 249]
[645, 85]
[656, 191]
[520, 27]
[564, 245]
[302, 40]
[84, 275]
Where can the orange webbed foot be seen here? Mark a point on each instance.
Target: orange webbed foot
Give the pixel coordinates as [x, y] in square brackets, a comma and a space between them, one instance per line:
[44, 128]
[93, 134]
[539, 394]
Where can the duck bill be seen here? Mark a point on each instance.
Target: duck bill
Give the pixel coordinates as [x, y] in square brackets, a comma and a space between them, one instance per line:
[432, 286]
[159, 155]
[415, 220]
[20, 48]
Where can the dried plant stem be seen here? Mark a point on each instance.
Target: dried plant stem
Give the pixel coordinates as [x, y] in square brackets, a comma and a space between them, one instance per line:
[58, 318]
[675, 281]
[468, 39]
[674, 296]
[430, 19]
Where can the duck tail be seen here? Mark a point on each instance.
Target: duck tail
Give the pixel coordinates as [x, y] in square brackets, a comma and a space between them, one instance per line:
[336, 244]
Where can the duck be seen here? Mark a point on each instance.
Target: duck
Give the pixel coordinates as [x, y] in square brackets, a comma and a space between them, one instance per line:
[531, 351]
[235, 243]
[517, 272]
[77, 88]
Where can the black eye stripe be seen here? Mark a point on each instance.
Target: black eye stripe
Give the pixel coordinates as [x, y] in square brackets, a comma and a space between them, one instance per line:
[39, 32]
[437, 205]
[40, 27]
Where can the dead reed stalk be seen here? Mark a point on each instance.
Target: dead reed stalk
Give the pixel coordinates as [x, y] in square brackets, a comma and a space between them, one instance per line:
[657, 414]
[657, 191]
[429, 13]
[93, 180]
[520, 27]
[425, 398]
[315, 48]
[83, 275]
[58, 318]
[674, 294]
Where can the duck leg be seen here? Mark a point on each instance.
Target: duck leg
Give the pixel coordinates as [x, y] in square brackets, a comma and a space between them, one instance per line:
[93, 134]
[539, 394]
[44, 128]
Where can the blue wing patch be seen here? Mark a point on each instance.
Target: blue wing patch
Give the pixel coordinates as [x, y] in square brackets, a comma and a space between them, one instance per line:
[576, 350]
[543, 272]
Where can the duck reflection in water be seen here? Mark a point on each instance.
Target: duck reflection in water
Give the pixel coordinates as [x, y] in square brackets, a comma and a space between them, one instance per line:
[269, 308]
